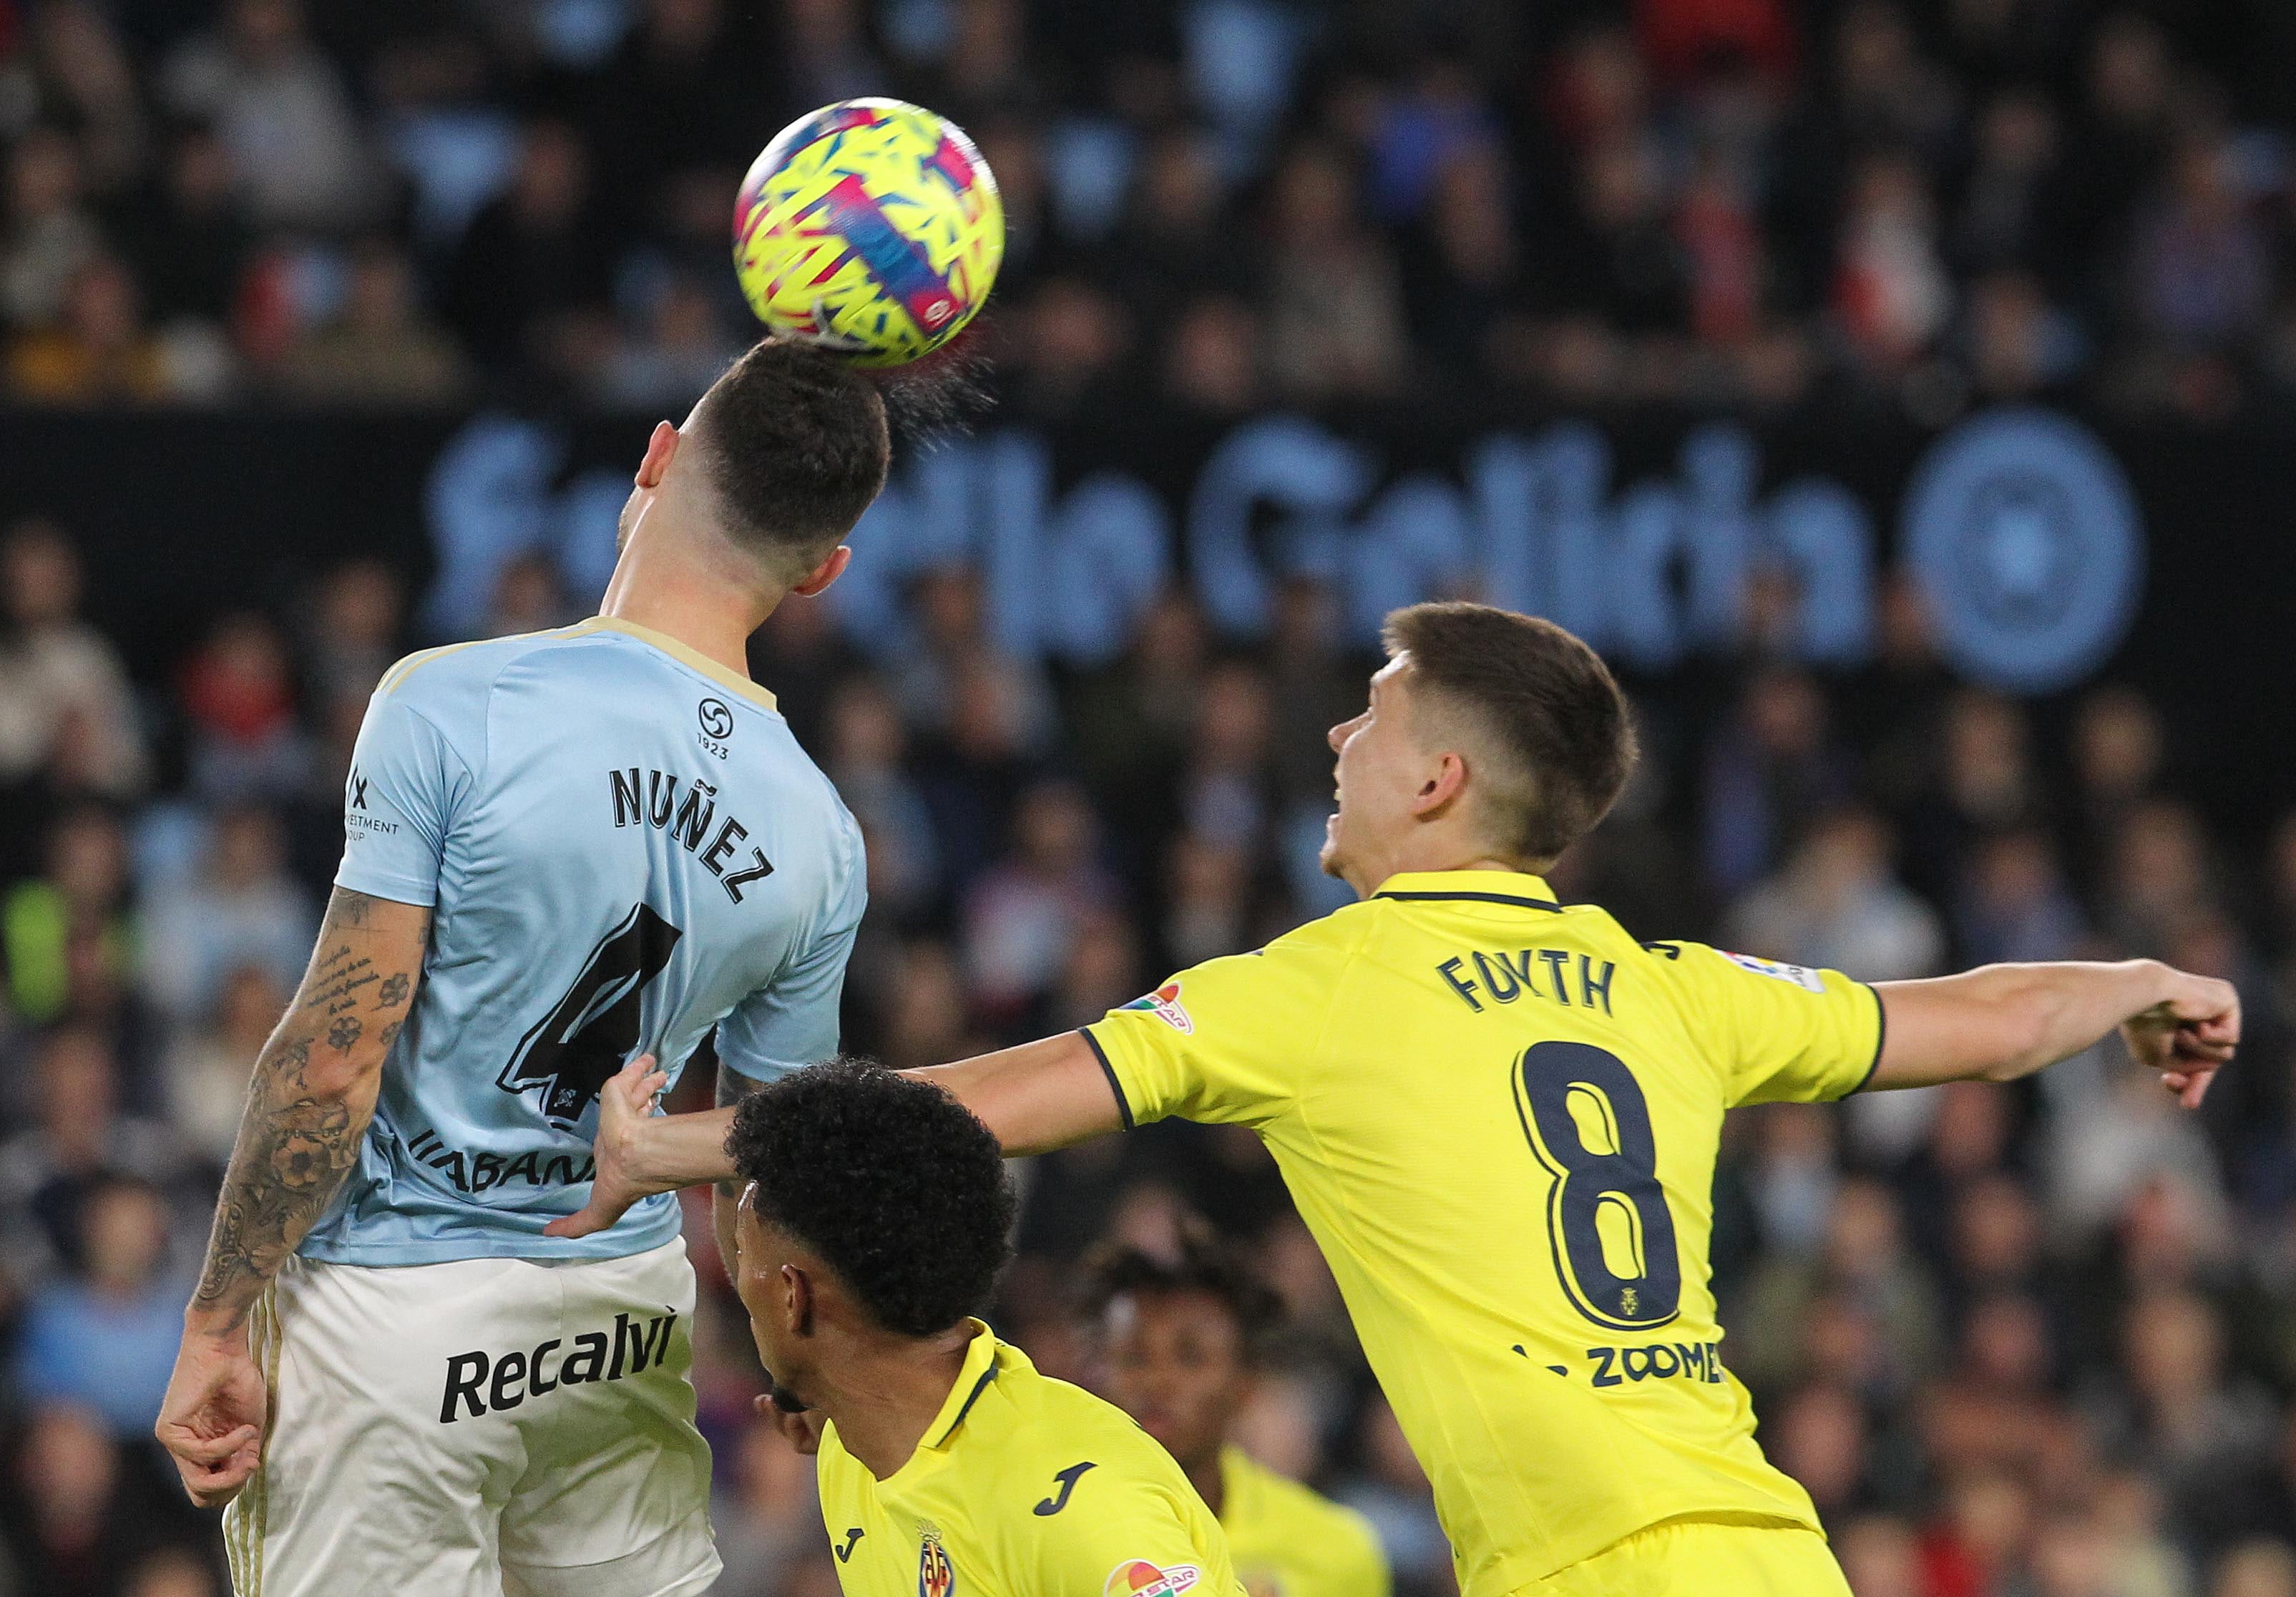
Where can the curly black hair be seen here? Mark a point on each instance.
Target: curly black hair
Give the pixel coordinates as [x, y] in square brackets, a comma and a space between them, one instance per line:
[892, 1181]
[1204, 1265]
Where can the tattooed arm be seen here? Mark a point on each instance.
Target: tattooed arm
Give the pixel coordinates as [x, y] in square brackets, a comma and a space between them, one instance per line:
[307, 1109]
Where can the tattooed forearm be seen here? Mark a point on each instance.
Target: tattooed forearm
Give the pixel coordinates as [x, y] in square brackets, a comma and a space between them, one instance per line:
[341, 992]
[312, 1096]
[732, 1087]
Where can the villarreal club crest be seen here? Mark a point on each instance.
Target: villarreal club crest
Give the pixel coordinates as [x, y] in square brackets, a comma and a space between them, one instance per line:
[936, 1574]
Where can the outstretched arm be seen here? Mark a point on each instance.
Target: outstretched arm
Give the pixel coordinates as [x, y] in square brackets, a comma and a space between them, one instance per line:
[2002, 1021]
[307, 1108]
[1037, 1097]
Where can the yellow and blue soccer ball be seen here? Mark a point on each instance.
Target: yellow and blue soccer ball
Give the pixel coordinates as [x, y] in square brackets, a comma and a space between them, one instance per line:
[872, 226]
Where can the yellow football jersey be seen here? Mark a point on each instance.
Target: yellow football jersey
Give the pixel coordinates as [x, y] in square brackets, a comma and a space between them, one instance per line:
[1022, 1486]
[1287, 1541]
[1499, 1115]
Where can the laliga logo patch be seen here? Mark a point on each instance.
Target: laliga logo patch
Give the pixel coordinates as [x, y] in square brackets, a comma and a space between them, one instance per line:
[1164, 1003]
[936, 1575]
[1800, 976]
[1137, 1578]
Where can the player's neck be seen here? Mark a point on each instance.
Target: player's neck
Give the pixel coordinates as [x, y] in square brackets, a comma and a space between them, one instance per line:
[1203, 1473]
[885, 1393]
[659, 584]
[1417, 855]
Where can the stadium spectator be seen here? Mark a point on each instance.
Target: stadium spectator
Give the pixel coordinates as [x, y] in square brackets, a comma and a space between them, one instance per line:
[75, 73]
[677, 352]
[353, 633]
[1836, 903]
[74, 1521]
[533, 266]
[2202, 273]
[59, 676]
[282, 107]
[237, 693]
[205, 1072]
[49, 235]
[1772, 769]
[98, 350]
[75, 1137]
[771, 1515]
[1023, 911]
[382, 348]
[867, 753]
[189, 237]
[79, 895]
[240, 907]
[105, 1338]
[1333, 307]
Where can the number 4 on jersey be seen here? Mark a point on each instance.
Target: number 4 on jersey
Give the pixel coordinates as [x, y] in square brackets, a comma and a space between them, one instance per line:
[590, 1033]
[1612, 1232]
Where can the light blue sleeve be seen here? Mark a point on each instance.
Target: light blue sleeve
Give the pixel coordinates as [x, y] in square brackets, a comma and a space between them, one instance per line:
[791, 1021]
[406, 780]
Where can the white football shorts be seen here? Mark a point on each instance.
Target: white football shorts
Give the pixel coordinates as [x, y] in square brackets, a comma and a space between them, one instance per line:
[489, 1428]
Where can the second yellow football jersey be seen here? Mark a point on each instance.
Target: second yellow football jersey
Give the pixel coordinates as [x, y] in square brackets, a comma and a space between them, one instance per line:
[1022, 1486]
[1287, 1541]
[1500, 1115]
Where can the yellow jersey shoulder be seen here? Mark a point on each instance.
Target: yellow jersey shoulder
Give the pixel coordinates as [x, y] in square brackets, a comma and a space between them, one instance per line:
[1288, 1540]
[1024, 1485]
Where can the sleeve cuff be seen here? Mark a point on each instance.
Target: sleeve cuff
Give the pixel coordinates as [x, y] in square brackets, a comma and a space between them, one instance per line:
[384, 884]
[762, 1069]
[1123, 1108]
[1881, 1036]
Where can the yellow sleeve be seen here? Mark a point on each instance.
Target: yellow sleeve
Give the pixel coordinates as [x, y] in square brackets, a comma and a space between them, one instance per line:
[1125, 1534]
[1780, 1032]
[1367, 1574]
[1228, 1040]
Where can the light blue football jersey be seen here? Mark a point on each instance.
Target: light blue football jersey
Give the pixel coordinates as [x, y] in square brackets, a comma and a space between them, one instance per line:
[624, 846]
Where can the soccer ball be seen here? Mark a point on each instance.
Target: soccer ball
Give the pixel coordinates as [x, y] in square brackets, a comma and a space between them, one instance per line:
[872, 226]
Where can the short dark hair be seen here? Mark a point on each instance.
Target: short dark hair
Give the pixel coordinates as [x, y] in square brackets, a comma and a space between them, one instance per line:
[797, 446]
[1541, 700]
[893, 1184]
[1203, 1265]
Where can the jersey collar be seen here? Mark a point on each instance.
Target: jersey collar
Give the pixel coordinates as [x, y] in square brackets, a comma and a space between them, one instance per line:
[1475, 887]
[972, 1378]
[691, 658]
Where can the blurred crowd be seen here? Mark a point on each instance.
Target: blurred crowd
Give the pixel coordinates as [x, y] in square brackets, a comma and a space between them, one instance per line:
[1917, 203]
[2035, 1342]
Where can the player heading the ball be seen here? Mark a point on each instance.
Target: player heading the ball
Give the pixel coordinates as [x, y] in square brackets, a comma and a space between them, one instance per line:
[563, 847]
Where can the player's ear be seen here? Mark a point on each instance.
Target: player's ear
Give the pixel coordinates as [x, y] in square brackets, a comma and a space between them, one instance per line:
[1440, 785]
[660, 448]
[828, 571]
[797, 1301]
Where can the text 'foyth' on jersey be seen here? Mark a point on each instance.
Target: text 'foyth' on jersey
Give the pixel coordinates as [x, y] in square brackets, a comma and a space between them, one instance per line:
[625, 851]
[1500, 1116]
